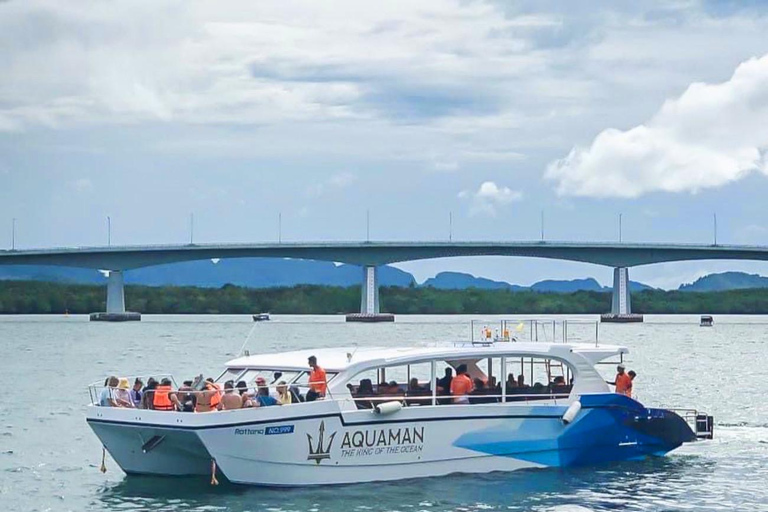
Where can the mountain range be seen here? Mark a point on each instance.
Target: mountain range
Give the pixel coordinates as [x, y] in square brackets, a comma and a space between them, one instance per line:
[270, 272]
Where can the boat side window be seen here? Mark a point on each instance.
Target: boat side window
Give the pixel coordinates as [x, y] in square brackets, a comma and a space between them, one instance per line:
[537, 376]
[303, 379]
[229, 374]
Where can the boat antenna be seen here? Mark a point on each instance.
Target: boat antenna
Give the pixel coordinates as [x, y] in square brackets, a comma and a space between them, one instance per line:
[247, 339]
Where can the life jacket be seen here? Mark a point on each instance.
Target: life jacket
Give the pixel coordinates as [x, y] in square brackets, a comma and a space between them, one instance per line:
[216, 397]
[161, 401]
[624, 384]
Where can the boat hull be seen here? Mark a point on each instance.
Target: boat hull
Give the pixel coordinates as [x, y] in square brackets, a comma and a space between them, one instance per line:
[321, 443]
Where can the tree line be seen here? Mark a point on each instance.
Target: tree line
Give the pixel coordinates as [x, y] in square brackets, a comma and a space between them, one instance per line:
[37, 297]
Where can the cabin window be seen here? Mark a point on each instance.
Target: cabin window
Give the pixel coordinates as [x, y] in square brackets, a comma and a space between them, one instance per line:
[229, 374]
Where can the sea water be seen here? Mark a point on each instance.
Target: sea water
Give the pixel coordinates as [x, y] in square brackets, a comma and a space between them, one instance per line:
[49, 459]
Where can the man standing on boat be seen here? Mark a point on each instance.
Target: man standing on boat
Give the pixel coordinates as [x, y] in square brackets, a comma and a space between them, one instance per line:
[461, 385]
[623, 382]
[318, 382]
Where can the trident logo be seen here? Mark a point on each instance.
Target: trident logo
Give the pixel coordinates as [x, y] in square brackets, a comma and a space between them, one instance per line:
[320, 451]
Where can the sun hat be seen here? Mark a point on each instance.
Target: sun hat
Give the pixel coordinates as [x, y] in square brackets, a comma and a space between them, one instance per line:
[621, 366]
[123, 384]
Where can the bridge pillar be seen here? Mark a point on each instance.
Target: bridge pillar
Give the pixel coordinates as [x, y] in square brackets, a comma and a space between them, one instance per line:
[115, 292]
[370, 310]
[115, 301]
[621, 303]
[369, 298]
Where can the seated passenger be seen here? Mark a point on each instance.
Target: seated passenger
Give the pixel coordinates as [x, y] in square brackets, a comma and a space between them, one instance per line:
[364, 390]
[242, 389]
[284, 396]
[230, 399]
[539, 389]
[479, 395]
[262, 398]
[415, 390]
[461, 385]
[164, 399]
[521, 382]
[209, 398]
[559, 387]
[185, 391]
[136, 392]
[123, 394]
[148, 393]
[107, 395]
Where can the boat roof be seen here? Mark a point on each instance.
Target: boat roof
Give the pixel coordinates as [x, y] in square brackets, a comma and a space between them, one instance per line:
[340, 358]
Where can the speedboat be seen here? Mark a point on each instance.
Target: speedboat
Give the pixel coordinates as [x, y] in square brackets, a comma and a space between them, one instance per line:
[569, 416]
[261, 317]
[706, 321]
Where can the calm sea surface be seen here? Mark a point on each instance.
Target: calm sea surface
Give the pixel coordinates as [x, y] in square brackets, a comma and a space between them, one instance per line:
[49, 458]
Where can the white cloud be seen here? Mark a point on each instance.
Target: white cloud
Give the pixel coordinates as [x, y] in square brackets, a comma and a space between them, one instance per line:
[490, 196]
[713, 134]
[82, 185]
[337, 181]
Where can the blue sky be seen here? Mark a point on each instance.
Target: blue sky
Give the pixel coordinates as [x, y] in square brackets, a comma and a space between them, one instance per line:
[495, 111]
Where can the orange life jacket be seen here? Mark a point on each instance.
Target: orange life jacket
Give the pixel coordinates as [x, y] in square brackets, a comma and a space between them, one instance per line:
[624, 384]
[216, 397]
[161, 401]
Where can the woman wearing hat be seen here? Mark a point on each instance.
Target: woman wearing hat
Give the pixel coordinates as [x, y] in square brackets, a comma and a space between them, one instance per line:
[123, 393]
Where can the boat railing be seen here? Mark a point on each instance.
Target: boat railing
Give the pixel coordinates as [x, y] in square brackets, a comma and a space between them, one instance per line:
[534, 329]
[95, 388]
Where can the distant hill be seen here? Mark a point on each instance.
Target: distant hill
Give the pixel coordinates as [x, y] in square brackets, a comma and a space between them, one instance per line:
[248, 272]
[725, 281]
[460, 281]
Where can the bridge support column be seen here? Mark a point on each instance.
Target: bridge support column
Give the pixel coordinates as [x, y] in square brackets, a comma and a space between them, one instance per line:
[115, 301]
[370, 310]
[621, 303]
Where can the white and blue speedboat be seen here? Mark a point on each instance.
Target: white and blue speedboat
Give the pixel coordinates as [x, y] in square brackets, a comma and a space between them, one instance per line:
[563, 414]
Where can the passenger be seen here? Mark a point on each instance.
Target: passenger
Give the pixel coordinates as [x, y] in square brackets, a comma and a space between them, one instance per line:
[521, 382]
[461, 385]
[364, 390]
[148, 393]
[622, 381]
[216, 388]
[394, 389]
[209, 398]
[242, 389]
[318, 382]
[511, 384]
[136, 392]
[559, 387]
[415, 390]
[444, 384]
[186, 391]
[123, 393]
[283, 393]
[164, 399]
[479, 395]
[230, 400]
[494, 388]
[632, 376]
[262, 394]
[107, 396]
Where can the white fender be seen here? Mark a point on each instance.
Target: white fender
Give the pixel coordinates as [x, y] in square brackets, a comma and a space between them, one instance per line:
[387, 407]
[572, 412]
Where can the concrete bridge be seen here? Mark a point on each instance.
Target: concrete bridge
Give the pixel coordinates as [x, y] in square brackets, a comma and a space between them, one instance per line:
[370, 255]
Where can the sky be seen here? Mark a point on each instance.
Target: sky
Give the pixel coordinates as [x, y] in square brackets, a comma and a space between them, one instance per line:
[492, 114]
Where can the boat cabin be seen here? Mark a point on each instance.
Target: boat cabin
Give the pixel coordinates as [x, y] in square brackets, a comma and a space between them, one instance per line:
[503, 372]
